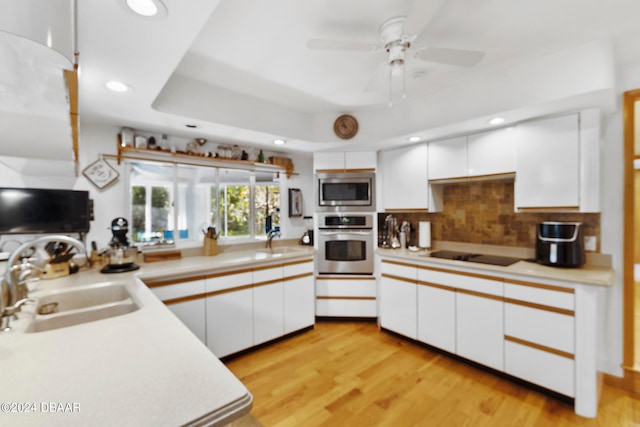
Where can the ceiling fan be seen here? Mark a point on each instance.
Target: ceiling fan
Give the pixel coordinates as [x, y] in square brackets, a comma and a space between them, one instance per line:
[397, 36]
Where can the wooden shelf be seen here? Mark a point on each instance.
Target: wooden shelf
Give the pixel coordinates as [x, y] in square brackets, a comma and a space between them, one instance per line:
[190, 159]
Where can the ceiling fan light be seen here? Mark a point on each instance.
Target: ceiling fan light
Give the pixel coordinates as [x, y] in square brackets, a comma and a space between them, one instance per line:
[397, 68]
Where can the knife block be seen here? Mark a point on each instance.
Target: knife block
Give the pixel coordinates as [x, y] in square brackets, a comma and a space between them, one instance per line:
[210, 246]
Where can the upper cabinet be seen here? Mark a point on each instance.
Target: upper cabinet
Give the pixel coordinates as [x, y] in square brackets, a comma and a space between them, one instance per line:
[492, 153]
[558, 164]
[404, 178]
[485, 154]
[340, 161]
[448, 158]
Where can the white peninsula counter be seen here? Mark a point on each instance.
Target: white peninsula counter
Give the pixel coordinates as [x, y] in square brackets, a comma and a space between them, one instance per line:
[143, 368]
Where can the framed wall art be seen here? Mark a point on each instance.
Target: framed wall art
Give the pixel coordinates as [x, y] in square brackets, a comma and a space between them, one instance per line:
[100, 173]
[295, 202]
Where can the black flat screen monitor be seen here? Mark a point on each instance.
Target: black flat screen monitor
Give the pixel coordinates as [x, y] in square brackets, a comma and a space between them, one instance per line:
[39, 211]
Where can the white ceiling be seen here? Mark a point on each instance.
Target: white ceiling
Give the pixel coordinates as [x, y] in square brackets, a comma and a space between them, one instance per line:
[241, 70]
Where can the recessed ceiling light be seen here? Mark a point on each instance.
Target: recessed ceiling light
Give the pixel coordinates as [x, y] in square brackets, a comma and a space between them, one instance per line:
[117, 86]
[496, 121]
[415, 138]
[146, 8]
[191, 126]
[279, 141]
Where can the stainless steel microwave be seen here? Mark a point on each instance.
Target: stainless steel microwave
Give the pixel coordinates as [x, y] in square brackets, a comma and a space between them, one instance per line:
[345, 191]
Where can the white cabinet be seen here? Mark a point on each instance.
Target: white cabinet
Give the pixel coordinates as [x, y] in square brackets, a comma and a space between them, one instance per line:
[477, 155]
[398, 299]
[268, 304]
[448, 158]
[229, 313]
[186, 301]
[299, 296]
[350, 297]
[492, 153]
[548, 158]
[540, 335]
[436, 313]
[236, 310]
[474, 319]
[404, 178]
[340, 160]
[480, 329]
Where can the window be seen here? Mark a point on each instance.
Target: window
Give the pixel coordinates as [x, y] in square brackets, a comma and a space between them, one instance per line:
[165, 198]
[266, 202]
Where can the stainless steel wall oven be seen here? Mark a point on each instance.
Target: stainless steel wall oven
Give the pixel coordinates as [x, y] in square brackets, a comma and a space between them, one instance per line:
[345, 243]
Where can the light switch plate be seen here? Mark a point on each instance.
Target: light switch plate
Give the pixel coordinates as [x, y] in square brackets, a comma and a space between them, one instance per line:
[590, 243]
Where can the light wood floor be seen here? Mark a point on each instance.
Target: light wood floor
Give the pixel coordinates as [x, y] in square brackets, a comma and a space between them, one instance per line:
[352, 374]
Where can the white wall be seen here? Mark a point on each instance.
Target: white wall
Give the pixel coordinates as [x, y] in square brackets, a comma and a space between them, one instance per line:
[610, 301]
[113, 201]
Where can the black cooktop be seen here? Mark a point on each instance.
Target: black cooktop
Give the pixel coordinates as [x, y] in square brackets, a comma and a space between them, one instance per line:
[472, 257]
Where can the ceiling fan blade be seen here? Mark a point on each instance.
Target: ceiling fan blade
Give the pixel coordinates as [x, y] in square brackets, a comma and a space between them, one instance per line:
[420, 14]
[322, 44]
[443, 55]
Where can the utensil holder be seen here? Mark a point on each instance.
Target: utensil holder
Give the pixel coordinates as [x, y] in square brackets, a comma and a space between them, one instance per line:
[210, 246]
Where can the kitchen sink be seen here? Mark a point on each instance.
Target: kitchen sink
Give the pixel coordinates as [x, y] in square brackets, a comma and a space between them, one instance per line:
[282, 250]
[276, 252]
[82, 305]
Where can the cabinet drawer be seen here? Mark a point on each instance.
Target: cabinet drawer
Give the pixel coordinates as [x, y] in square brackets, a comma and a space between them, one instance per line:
[298, 268]
[179, 290]
[470, 282]
[228, 281]
[267, 274]
[346, 307]
[362, 288]
[540, 367]
[542, 327]
[400, 270]
[552, 296]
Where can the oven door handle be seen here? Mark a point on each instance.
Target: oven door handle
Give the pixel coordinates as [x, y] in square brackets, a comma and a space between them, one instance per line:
[343, 232]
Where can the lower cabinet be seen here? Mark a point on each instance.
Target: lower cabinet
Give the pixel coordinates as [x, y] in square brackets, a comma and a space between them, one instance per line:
[437, 316]
[298, 296]
[350, 297]
[398, 299]
[192, 314]
[543, 333]
[268, 304]
[230, 322]
[236, 310]
[186, 301]
[540, 335]
[479, 329]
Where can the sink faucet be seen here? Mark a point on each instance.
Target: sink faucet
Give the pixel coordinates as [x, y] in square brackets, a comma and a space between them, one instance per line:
[270, 235]
[24, 262]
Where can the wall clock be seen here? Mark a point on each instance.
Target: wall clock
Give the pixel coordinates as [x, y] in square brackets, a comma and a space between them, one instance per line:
[345, 126]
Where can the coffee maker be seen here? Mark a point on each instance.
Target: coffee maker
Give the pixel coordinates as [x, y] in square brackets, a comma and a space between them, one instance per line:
[307, 237]
[122, 256]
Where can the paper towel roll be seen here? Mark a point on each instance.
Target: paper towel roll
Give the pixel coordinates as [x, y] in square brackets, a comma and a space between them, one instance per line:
[424, 233]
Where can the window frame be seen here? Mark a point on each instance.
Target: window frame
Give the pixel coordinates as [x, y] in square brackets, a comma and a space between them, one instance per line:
[174, 182]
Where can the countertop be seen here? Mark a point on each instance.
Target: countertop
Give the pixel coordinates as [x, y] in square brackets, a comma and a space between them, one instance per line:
[523, 270]
[140, 368]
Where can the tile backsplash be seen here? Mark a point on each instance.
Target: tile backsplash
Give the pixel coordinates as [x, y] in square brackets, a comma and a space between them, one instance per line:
[482, 212]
